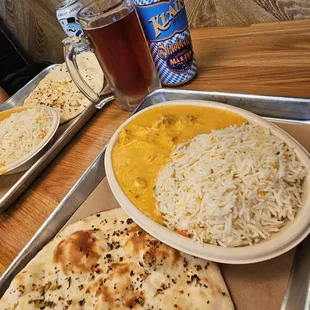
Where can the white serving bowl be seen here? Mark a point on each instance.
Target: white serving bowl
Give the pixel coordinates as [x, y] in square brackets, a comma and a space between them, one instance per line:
[289, 236]
[26, 162]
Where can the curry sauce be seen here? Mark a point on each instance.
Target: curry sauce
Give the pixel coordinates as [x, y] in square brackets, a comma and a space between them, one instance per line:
[145, 144]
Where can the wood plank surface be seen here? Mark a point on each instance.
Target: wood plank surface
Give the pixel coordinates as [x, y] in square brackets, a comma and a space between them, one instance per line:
[267, 59]
[263, 59]
[34, 23]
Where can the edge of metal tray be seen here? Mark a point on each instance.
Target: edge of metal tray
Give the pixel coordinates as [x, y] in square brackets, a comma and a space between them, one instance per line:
[28, 177]
[23, 93]
[93, 175]
[297, 295]
[284, 109]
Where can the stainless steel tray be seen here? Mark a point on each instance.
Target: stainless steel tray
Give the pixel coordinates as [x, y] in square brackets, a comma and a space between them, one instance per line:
[13, 185]
[284, 109]
[297, 295]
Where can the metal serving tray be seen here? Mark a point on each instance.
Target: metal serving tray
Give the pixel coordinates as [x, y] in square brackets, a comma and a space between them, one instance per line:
[284, 109]
[11, 186]
[297, 295]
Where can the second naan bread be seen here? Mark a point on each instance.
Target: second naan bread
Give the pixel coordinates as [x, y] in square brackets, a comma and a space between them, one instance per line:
[57, 90]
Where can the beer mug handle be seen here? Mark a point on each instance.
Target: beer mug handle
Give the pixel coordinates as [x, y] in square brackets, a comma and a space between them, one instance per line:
[73, 46]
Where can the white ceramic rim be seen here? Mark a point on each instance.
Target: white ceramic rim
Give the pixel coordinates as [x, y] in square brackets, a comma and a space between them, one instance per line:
[40, 146]
[287, 239]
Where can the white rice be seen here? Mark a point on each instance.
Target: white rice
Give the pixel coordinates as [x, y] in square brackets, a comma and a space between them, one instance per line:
[22, 132]
[232, 187]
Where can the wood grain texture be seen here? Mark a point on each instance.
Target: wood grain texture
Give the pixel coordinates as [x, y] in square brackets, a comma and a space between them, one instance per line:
[34, 24]
[240, 12]
[16, 17]
[46, 34]
[254, 59]
[286, 9]
[268, 59]
[201, 13]
[244, 12]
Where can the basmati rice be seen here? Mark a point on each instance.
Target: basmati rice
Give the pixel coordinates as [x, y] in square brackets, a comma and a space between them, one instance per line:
[21, 132]
[232, 187]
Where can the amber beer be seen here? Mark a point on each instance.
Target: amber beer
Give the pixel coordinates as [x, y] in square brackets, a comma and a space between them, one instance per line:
[123, 53]
[114, 33]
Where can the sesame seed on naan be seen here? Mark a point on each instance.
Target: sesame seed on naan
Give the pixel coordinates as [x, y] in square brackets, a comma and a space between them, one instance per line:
[57, 90]
[106, 261]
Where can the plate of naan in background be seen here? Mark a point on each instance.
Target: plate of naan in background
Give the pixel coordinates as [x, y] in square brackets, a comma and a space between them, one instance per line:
[57, 90]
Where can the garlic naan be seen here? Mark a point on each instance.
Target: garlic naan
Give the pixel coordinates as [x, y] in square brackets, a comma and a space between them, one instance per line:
[106, 261]
[57, 90]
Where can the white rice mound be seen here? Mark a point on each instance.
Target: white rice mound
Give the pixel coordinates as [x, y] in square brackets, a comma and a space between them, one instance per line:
[22, 132]
[232, 187]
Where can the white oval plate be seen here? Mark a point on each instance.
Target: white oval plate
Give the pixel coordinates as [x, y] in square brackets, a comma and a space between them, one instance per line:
[27, 161]
[289, 236]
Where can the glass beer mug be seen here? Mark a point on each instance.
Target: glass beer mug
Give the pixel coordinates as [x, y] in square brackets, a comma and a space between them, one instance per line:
[113, 32]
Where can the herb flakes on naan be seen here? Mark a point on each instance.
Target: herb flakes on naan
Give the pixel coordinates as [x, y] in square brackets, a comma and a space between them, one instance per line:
[106, 261]
[57, 90]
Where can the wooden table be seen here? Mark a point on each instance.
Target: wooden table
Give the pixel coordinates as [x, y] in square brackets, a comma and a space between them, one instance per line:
[269, 59]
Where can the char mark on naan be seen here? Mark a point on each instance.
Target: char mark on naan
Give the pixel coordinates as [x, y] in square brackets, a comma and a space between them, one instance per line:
[106, 261]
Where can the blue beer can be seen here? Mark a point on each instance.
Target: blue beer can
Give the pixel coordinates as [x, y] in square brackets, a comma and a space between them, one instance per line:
[166, 28]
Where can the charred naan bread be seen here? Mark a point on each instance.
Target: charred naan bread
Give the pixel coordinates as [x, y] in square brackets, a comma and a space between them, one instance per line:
[106, 261]
[57, 90]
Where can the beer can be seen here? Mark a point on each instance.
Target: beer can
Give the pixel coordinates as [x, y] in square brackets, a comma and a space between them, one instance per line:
[66, 14]
[166, 28]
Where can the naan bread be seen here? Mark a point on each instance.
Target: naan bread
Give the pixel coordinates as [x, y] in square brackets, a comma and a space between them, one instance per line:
[106, 261]
[58, 91]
